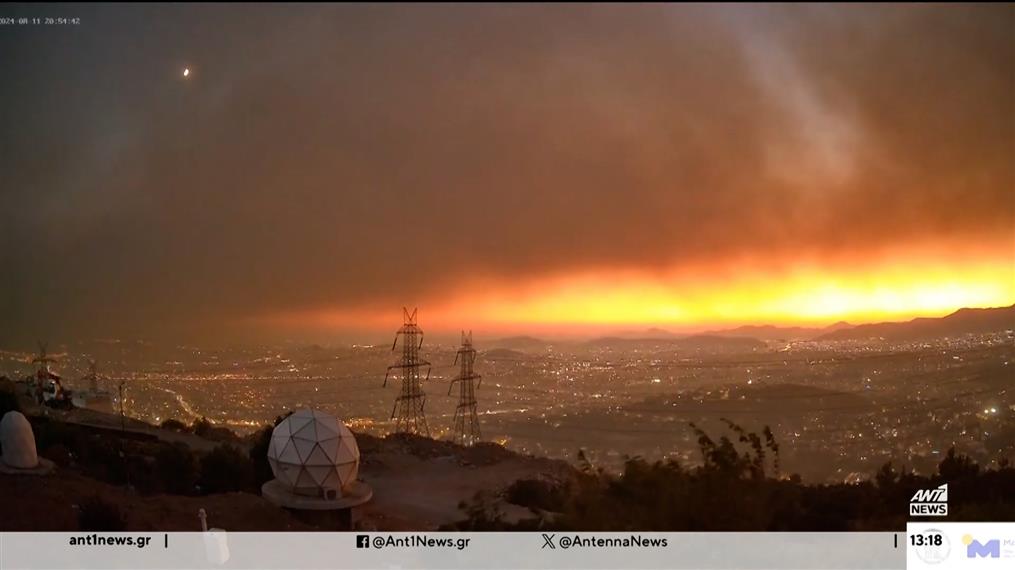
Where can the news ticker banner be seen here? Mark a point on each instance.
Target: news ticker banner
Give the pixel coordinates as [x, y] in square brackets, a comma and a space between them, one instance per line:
[439, 550]
[958, 546]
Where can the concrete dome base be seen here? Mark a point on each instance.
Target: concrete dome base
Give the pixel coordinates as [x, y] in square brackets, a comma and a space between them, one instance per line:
[44, 467]
[356, 494]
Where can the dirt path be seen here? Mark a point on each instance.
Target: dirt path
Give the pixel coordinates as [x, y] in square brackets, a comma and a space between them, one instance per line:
[414, 493]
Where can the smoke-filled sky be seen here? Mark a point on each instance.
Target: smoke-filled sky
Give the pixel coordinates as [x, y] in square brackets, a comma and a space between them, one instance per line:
[506, 168]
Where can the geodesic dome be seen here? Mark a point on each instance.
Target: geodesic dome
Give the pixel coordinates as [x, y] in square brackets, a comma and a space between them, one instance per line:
[314, 454]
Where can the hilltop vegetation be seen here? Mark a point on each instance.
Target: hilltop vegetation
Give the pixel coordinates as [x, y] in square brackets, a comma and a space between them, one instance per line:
[739, 487]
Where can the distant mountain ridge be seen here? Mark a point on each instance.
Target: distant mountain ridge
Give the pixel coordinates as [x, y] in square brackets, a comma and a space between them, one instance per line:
[961, 322]
[520, 343]
[503, 354]
[693, 342]
[772, 332]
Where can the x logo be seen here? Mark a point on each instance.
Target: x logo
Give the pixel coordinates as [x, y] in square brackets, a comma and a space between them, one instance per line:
[548, 541]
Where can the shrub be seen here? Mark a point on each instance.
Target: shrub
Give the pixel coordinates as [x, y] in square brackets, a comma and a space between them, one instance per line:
[954, 467]
[259, 451]
[731, 491]
[259, 456]
[8, 402]
[201, 427]
[177, 468]
[99, 515]
[225, 469]
[536, 494]
[49, 433]
[102, 461]
[206, 429]
[175, 425]
[58, 454]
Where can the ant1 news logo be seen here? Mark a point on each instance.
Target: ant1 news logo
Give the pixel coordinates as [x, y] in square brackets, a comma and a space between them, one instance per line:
[930, 502]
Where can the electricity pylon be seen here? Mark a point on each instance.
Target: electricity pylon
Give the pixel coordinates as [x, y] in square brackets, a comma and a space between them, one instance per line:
[43, 373]
[92, 376]
[43, 360]
[408, 409]
[466, 430]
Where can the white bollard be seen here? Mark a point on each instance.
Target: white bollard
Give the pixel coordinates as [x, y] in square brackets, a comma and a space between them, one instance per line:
[216, 547]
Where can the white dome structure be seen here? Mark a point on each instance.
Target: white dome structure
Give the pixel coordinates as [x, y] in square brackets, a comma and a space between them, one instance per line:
[18, 441]
[314, 455]
[18, 444]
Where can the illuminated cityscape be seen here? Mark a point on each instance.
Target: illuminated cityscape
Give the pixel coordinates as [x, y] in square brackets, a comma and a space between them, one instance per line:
[840, 408]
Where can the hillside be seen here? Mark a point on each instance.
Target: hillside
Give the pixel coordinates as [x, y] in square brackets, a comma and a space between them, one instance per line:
[707, 343]
[772, 332]
[504, 354]
[157, 478]
[141, 482]
[52, 503]
[959, 323]
[521, 343]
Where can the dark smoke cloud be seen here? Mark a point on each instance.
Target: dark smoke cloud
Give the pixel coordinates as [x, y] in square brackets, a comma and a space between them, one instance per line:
[334, 155]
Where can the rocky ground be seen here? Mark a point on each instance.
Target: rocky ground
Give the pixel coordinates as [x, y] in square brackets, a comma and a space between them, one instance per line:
[419, 483]
[52, 503]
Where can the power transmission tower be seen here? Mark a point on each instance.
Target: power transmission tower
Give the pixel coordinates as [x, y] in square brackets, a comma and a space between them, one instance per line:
[466, 431]
[43, 359]
[408, 409]
[92, 377]
[43, 374]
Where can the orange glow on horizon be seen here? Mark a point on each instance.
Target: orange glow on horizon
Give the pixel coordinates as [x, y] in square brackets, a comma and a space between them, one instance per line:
[801, 294]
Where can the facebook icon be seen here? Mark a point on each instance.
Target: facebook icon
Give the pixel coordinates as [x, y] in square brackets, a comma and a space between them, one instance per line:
[362, 541]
